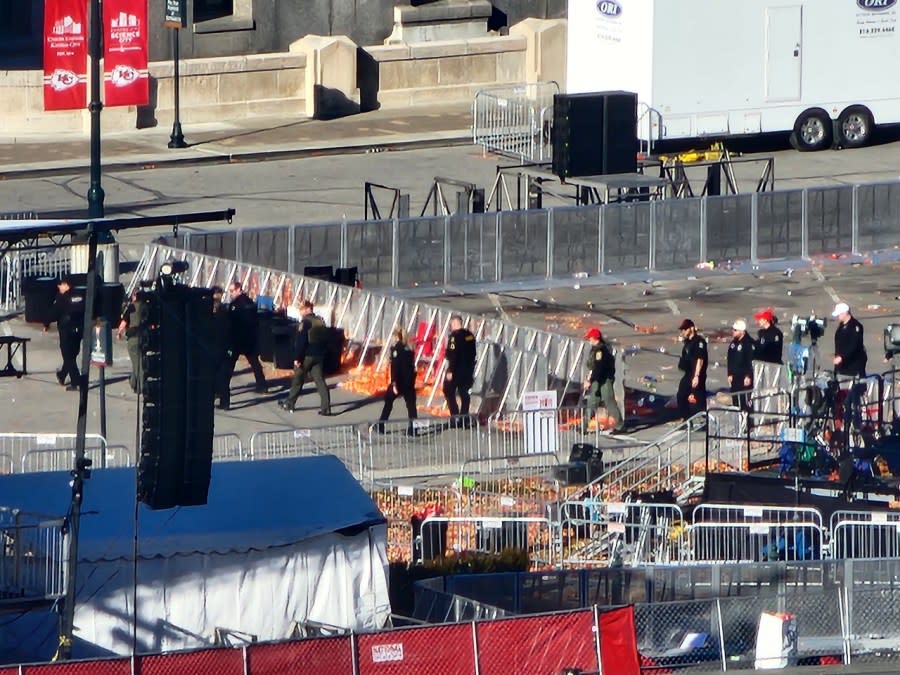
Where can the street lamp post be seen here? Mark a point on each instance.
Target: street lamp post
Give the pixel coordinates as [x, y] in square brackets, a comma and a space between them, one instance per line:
[95, 193]
[177, 138]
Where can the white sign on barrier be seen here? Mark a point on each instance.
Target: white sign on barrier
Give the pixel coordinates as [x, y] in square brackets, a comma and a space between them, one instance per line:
[541, 425]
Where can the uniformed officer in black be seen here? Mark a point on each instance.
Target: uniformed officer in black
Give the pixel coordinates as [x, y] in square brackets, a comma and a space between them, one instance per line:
[221, 348]
[691, 396]
[740, 365]
[244, 329]
[849, 349]
[403, 378]
[68, 313]
[770, 340]
[460, 375]
[601, 366]
[310, 347]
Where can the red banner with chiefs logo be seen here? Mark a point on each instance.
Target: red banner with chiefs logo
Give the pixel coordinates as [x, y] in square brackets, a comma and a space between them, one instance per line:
[126, 80]
[65, 54]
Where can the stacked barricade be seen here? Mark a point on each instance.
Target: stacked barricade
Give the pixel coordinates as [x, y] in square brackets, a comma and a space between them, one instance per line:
[480, 534]
[515, 120]
[32, 555]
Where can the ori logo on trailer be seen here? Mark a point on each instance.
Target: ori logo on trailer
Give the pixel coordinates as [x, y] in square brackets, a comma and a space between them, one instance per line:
[870, 5]
[613, 8]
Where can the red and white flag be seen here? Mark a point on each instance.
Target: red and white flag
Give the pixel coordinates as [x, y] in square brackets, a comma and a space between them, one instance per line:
[65, 54]
[126, 79]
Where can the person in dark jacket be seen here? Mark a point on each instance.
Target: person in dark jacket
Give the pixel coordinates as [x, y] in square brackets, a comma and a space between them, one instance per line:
[601, 367]
[309, 358]
[222, 348]
[740, 365]
[244, 327]
[403, 378]
[68, 313]
[691, 396]
[460, 374]
[769, 345]
[130, 328]
[849, 347]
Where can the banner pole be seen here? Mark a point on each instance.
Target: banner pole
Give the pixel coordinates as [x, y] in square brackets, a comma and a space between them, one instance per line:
[95, 195]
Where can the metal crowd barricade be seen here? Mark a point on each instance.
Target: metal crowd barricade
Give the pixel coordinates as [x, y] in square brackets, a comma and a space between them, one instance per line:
[865, 534]
[340, 440]
[553, 430]
[63, 459]
[227, 447]
[726, 533]
[16, 445]
[595, 532]
[427, 447]
[512, 359]
[32, 555]
[518, 485]
[534, 536]
[515, 120]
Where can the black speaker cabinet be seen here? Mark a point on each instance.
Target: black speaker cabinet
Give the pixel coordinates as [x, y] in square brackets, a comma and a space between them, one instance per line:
[594, 134]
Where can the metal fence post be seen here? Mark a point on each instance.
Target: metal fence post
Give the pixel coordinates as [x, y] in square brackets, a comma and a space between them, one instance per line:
[550, 229]
[854, 221]
[238, 247]
[651, 258]
[721, 634]
[804, 223]
[395, 253]
[601, 240]
[498, 237]
[703, 225]
[345, 244]
[754, 228]
[292, 254]
[475, 648]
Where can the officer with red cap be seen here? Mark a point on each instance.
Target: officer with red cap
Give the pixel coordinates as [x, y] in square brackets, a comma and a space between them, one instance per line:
[691, 396]
[770, 339]
[601, 367]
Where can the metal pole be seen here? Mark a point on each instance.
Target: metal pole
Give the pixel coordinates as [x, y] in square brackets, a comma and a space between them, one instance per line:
[78, 475]
[95, 193]
[176, 140]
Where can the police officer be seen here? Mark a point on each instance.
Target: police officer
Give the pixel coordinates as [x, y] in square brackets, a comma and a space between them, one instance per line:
[770, 340]
[460, 375]
[244, 327]
[691, 396]
[601, 366]
[68, 313]
[403, 378]
[309, 360]
[740, 365]
[129, 328]
[849, 349]
[221, 347]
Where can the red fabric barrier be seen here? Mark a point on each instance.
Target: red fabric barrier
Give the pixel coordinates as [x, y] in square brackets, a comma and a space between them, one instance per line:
[323, 656]
[204, 662]
[618, 642]
[113, 667]
[439, 650]
[539, 645]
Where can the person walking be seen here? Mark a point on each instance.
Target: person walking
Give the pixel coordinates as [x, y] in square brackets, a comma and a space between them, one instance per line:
[769, 345]
[243, 338]
[740, 365]
[68, 313]
[691, 396]
[403, 379]
[130, 328]
[221, 348]
[460, 374]
[601, 367]
[309, 359]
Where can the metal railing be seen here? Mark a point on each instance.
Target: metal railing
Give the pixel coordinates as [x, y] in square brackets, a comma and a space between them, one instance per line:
[32, 555]
[515, 120]
[560, 242]
[15, 447]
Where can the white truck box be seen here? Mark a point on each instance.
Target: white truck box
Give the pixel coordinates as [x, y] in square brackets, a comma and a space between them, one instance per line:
[821, 69]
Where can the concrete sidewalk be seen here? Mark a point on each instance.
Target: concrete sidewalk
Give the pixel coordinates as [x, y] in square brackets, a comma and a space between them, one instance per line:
[256, 139]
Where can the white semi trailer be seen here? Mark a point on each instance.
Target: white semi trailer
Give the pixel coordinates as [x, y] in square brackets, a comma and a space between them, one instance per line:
[822, 70]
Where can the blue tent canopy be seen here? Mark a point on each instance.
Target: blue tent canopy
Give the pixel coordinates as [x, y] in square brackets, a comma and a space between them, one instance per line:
[252, 505]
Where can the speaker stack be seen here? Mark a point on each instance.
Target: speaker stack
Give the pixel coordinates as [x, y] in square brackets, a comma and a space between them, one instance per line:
[594, 134]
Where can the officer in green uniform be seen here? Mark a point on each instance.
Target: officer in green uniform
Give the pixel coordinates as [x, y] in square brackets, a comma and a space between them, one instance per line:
[130, 327]
[601, 367]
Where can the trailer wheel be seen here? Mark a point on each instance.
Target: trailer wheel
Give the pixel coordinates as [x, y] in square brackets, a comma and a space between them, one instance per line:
[812, 131]
[855, 126]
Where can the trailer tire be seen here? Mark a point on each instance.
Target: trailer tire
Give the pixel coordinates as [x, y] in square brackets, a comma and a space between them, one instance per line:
[855, 126]
[812, 131]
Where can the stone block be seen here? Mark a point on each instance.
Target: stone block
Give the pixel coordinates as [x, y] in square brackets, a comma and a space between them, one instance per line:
[545, 59]
[440, 20]
[330, 83]
[476, 68]
[408, 74]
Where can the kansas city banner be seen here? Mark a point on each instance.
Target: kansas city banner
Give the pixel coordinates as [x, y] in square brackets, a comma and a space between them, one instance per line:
[126, 80]
[65, 54]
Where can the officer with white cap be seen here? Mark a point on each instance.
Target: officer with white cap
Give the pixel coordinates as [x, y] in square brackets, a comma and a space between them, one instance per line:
[740, 365]
[849, 348]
